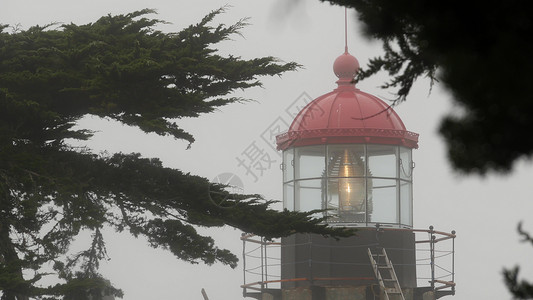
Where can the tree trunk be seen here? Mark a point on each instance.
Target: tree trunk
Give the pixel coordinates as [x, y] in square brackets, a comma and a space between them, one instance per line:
[10, 262]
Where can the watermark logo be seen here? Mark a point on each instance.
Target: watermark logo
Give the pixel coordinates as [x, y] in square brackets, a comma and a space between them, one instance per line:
[234, 182]
[234, 185]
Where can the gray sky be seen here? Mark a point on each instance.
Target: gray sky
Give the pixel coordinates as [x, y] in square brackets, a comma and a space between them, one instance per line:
[483, 211]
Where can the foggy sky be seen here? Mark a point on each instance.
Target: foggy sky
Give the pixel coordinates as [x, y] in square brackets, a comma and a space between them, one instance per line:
[483, 211]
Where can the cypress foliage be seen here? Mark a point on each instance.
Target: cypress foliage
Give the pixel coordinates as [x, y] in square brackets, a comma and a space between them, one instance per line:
[120, 68]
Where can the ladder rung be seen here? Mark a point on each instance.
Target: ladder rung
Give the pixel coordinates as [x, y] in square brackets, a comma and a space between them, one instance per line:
[390, 285]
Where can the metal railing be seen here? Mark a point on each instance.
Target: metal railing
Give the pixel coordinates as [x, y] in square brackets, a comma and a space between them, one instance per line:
[435, 259]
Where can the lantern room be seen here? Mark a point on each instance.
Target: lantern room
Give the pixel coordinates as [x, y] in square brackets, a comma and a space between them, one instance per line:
[348, 154]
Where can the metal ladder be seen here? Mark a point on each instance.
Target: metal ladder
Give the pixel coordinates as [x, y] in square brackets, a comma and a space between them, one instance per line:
[386, 275]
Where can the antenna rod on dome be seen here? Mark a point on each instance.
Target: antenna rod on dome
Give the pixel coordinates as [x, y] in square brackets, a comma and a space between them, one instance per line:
[345, 30]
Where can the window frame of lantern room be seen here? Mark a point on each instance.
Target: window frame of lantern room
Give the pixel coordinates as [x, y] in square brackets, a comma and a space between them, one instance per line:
[300, 184]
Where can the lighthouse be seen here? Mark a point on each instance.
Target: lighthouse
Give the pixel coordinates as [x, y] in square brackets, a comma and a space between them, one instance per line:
[348, 155]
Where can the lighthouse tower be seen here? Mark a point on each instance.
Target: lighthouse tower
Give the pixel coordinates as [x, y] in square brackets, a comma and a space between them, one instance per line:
[349, 155]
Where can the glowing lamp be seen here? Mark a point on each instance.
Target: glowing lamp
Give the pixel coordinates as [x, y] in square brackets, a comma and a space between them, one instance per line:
[347, 191]
[351, 190]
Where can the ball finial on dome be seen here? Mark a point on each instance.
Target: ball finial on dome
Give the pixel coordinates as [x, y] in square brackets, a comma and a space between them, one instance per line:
[346, 66]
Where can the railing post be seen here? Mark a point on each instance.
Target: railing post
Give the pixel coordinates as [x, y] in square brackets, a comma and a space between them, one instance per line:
[432, 256]
[243, 263]
[310, 242]
[453, 260]
[266, 262]
[262, 265]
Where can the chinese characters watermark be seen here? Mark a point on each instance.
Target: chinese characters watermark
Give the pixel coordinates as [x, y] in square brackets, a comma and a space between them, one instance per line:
[259, 157]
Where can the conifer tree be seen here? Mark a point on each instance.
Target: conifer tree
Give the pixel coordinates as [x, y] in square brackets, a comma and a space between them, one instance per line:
[120, 68]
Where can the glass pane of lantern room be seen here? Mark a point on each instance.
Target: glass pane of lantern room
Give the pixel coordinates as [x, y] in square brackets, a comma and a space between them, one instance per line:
[288, 165]
[308, 195]
[309, 162]
[382, 160]
[406, 208]
[332, 199]
[383, 207]
[288, 196]
[406, 163]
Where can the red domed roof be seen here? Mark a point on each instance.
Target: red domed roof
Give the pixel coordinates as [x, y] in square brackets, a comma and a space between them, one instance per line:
[347, 115]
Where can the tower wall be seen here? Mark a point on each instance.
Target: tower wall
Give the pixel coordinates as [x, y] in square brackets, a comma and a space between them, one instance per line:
[313, 260]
